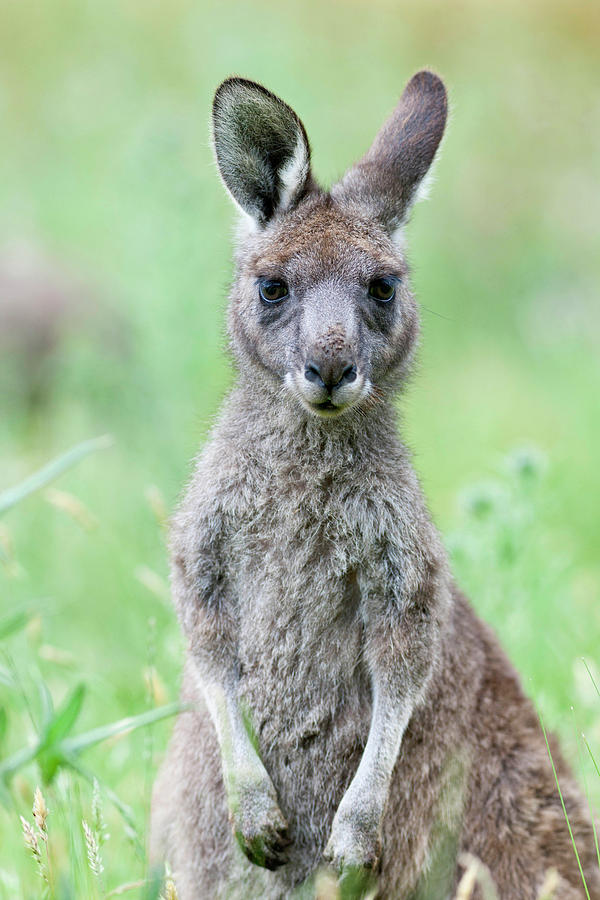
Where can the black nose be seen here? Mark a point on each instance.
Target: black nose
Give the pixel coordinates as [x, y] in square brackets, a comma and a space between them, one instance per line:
[330, 373]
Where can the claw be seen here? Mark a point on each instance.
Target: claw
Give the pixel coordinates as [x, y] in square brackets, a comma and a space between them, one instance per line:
[266, 848]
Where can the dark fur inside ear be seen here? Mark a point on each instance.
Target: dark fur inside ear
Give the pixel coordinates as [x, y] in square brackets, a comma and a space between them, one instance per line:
[386, 179]
[261, 147]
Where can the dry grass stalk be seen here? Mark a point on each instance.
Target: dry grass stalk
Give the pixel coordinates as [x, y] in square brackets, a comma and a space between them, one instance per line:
[329, 887]
[73, 507]
[477, 873]
[170, 891]
[7, 555]
[154, 582]
[551, 882]
[326, 885]
[34, 629]
[56, 655]
[157, 504]
[155, 686]
[467, 883]
[128, 886]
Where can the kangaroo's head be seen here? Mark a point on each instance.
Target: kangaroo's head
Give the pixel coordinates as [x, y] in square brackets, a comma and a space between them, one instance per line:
[321, 304]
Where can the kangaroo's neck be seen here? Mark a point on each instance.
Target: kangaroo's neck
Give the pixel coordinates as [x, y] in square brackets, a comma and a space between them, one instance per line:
[280, 429]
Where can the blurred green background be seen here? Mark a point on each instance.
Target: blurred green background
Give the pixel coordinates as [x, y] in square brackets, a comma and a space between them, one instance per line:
[113, 218]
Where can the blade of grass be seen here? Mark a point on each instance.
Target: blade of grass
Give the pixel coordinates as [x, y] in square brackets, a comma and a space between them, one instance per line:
[6, 678]
[46, 704]
[67, 750]
[50, 753]
[589, 749]
[19, 759]
[17, 684]
[585, 784]
[14, 622]
[81, 742]
[52, 470]
[591, 676]
[64, 720]
[587, 894]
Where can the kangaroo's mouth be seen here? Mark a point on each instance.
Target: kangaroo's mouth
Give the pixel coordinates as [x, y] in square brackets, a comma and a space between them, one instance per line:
[325, 406]
[326, 409]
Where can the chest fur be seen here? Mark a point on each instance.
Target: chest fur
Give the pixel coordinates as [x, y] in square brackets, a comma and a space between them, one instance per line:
[294, 565]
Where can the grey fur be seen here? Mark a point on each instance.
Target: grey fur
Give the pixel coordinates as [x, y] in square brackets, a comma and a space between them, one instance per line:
[386, 179]
[347, 702]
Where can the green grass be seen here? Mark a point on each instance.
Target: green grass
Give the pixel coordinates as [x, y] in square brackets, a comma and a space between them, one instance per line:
[106, 165]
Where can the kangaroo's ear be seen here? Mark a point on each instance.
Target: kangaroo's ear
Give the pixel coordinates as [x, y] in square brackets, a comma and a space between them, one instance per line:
[386, 179]
[261, 148]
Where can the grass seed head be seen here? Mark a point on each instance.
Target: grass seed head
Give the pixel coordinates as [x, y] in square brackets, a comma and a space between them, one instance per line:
[33, 845]
[40, 812]
[93, 850]
[170, 891]
[99, 825]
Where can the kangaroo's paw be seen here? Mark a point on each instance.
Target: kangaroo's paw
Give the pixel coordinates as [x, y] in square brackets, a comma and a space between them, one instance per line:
[355, 841]
[259, 825]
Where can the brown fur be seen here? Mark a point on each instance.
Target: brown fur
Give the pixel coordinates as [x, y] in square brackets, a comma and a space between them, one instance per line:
[324, 630]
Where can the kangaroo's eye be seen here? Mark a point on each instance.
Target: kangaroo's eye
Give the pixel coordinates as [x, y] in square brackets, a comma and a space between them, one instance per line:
[273, 291]
[382, 289]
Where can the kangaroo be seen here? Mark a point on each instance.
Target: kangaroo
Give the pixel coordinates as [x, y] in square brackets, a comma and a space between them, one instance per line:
[345, 704]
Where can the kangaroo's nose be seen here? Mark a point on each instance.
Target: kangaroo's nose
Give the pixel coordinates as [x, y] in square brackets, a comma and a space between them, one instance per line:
[330, 373]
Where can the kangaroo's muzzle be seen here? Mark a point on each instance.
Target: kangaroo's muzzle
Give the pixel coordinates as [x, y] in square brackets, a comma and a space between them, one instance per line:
[328, 384]
[330, 373]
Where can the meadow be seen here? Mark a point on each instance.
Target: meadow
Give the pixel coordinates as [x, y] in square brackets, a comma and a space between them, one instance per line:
[106, 170]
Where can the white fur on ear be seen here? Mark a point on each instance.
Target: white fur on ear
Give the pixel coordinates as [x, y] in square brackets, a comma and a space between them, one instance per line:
[422, 192]
[293, 174]
[398, 236]
[424, 189]
[245, 226]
